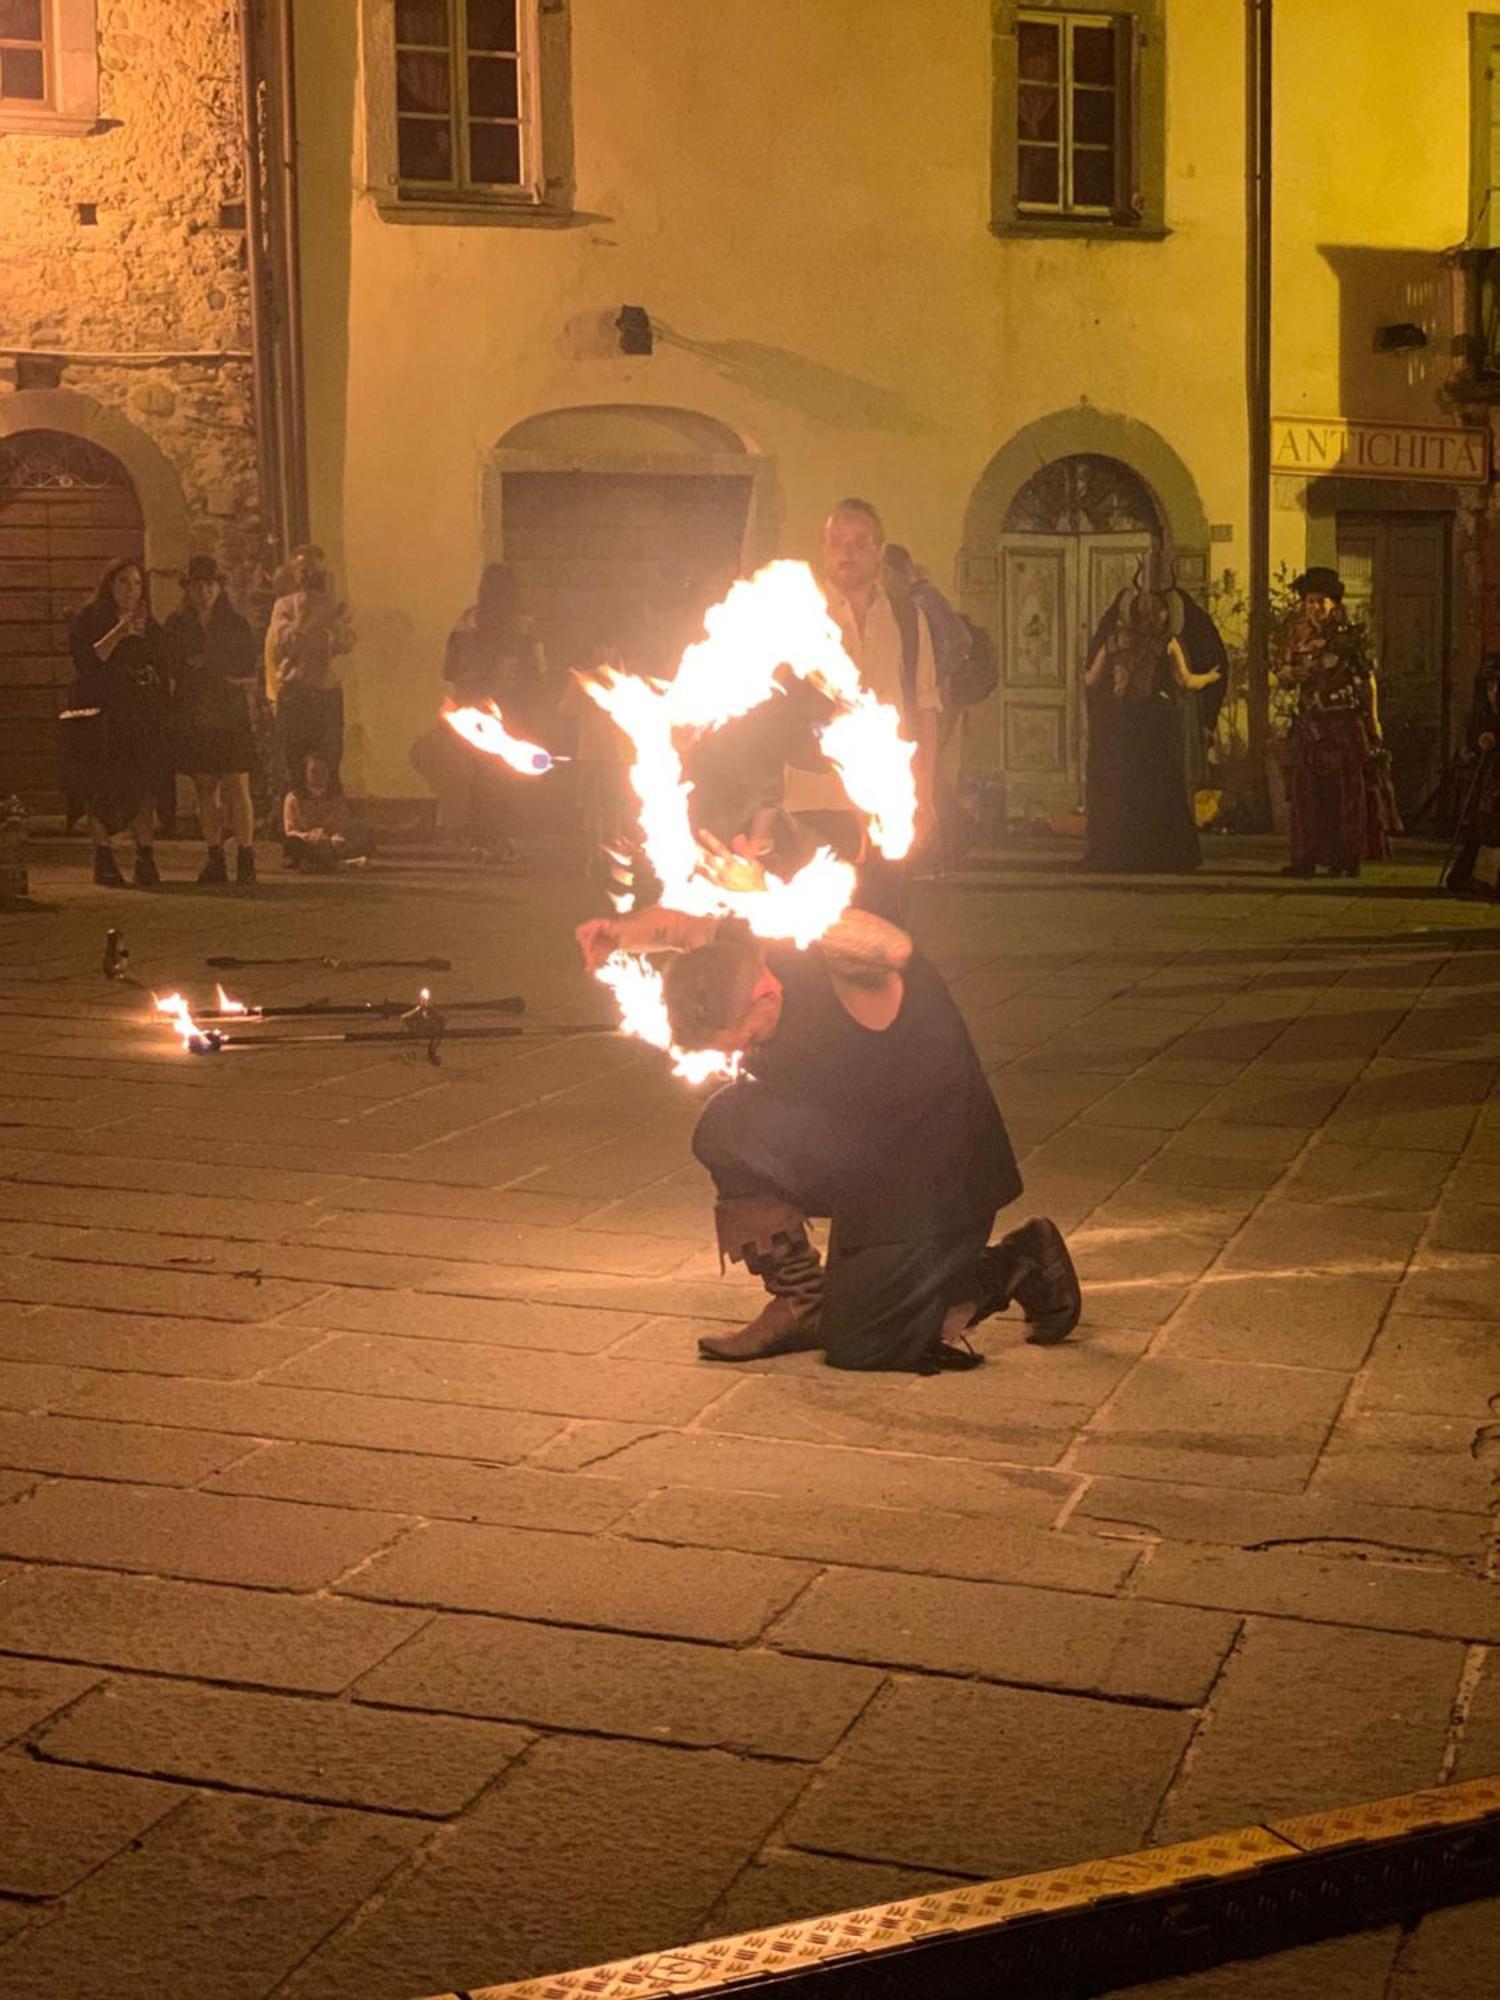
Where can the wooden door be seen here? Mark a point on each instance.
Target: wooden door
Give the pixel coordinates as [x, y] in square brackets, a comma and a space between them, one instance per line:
[66, 509]
[1395, 571]
[1054, 590]
[630, 559]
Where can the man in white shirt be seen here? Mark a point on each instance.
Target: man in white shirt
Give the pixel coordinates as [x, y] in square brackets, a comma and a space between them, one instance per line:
[897, 666]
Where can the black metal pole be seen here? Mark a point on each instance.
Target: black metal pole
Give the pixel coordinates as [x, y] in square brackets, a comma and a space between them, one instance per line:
[330, 1010]
[1258, 354]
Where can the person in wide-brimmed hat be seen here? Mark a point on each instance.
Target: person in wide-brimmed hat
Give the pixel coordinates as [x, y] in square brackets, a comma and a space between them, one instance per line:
[1338, 790]
[215, 660]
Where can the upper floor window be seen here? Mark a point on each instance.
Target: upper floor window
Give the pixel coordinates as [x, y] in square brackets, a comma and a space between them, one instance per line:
[49, 66]
[1070, 109]
[1079, 135]
[466, 107]
[465, 111]
[23, 52]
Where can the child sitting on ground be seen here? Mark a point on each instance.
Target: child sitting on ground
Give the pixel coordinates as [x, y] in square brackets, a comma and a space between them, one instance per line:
[319, 834]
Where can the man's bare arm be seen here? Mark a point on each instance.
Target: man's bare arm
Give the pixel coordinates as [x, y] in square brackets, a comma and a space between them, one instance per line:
[656, 929]
[864, 949]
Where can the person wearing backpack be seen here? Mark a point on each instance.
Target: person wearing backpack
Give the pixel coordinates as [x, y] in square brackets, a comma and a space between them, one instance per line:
[900, 668]
[967, 672]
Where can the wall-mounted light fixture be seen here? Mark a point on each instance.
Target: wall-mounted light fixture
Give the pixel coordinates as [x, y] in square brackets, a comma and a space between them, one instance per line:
[1398, 339]
[634, 328]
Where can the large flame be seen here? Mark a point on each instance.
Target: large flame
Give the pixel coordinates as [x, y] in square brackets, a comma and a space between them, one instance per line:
[775, 619]
[483, 725]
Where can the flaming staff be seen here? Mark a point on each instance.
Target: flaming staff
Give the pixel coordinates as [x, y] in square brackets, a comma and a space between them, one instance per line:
[482, 725]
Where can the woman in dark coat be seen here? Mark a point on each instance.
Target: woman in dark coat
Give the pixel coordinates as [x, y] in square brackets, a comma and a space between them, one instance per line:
[122, 676]
[214, 663]
[1139, 820]
[1339, 796]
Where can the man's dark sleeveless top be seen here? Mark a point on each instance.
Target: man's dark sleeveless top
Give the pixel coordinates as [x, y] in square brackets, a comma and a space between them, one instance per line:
[919, 1146]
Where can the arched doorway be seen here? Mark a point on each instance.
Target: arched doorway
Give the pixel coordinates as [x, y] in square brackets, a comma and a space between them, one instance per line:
[67, 507]
[1058, 521]
[1074, 537]
[622, 522]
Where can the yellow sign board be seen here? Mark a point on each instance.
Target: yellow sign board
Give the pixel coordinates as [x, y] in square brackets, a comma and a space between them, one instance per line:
[1316, 446]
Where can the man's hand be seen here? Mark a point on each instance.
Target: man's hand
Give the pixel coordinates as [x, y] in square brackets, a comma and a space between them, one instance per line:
[733, 870]
[598, 939]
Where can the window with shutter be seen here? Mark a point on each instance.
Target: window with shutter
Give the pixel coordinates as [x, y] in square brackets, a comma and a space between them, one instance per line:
[1079, 118]
[49, 66]
[467, 108]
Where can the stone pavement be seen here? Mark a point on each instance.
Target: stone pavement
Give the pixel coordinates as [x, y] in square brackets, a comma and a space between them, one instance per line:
[390, 1602]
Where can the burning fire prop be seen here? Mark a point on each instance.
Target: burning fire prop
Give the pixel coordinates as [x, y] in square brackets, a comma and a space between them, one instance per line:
[484, 726]
[775, 621]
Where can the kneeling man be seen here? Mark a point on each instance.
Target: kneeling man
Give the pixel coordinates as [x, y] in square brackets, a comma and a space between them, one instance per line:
[863, 1101]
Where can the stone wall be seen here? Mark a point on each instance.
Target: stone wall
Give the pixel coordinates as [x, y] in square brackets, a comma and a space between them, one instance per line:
[130, 242]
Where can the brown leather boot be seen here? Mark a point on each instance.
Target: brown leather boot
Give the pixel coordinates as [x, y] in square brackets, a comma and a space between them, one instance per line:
[769, 1237]
[1031, 1268]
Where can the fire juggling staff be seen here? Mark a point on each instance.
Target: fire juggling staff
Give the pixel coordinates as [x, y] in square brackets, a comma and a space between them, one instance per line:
[862, 1100]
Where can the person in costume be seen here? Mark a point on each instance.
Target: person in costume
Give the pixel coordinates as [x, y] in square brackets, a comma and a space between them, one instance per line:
[1479, 816]
[862, 1101]
[1338, 789]
[1136, 798]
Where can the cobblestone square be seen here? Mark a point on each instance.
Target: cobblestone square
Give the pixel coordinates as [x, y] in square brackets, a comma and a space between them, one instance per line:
[392, 1604]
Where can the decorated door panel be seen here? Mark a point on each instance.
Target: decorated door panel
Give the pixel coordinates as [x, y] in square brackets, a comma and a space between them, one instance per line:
[1038, 650]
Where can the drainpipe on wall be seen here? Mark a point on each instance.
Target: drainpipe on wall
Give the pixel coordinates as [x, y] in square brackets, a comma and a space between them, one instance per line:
[272, 246]
[1258, 210]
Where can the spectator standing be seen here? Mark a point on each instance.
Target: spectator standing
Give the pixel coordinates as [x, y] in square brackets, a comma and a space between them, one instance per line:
[309, 633]
[213, 654]
[122, 686]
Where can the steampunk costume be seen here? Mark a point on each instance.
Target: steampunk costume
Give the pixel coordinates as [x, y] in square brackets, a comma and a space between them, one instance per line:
[1337, 783]
[895, 1136]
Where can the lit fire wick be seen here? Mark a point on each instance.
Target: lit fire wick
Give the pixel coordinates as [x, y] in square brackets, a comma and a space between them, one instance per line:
[483, 726]
[197, 1041]
[228, 1004]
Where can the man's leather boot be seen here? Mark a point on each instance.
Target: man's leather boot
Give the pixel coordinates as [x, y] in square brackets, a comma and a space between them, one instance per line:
[769, 1237]
[1031, 1268]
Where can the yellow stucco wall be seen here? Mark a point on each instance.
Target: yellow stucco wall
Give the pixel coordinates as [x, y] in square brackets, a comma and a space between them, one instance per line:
[799, 195]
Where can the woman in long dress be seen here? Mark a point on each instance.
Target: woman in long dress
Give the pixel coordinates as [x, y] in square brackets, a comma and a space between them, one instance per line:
[1339, 796]
[1139, 820]
[121, 687]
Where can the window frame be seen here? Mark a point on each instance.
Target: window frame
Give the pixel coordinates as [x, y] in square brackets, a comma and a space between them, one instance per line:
[544, 192]
[69, 106]
[1138, 210]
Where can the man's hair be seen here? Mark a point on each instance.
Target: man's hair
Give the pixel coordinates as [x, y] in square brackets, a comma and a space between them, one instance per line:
[709, 989]
[860, 510]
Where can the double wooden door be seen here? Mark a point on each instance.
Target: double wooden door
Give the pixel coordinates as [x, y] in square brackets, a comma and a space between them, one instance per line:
[1054, 590]
[66, 509]
[1395, 571]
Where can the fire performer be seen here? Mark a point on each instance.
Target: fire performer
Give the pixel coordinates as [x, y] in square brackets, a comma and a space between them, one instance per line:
[862, 1101]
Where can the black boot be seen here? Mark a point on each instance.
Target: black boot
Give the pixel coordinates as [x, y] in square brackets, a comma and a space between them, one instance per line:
[146, 874]
[244, 868]
[107, 869]
[214, 869]
[769, 1237]
[1031, 1268]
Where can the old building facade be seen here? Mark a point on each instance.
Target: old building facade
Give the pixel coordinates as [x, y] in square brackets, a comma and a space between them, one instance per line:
[126, 410]
[979, 260]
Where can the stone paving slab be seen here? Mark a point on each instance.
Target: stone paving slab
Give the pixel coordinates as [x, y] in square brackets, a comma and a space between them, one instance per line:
[326, 1752]
[510, 1636]
[606, 1683]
